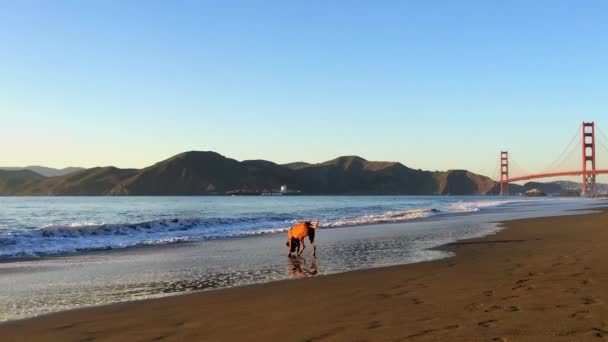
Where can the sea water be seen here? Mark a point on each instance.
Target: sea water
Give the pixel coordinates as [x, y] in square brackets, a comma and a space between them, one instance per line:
[59, 253]
[44, 226]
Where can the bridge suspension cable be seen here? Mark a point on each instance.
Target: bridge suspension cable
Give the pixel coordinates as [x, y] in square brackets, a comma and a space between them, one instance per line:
[516, 169]
[603, 143]
[566, 153]
[602, 140]
[495, 174]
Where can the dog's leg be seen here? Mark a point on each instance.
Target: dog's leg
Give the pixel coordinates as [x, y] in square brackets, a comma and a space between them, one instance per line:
[314, 249]
[303, 246]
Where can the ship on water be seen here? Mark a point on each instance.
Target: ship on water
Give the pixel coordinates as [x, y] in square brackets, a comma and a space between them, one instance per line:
[283, 191]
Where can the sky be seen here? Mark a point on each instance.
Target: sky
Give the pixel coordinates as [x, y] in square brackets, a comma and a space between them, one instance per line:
[435, 85]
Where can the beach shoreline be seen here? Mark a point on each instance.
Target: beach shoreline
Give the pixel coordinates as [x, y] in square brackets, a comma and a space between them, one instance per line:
[496, 286]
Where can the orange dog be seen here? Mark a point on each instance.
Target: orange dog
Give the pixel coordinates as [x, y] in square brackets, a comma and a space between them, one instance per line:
[296, 235]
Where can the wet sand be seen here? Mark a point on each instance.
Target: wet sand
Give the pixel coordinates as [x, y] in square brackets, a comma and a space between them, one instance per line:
[541, 279]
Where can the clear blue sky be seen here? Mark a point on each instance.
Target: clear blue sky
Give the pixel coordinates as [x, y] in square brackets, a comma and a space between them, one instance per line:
[432, 84]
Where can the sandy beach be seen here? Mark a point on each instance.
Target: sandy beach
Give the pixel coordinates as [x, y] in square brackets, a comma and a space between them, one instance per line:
[540, 279]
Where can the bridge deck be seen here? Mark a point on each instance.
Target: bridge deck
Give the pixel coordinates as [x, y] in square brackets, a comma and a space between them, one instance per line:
[554, 174]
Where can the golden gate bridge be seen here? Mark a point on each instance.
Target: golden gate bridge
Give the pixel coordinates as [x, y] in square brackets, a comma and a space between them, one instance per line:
[586, 135]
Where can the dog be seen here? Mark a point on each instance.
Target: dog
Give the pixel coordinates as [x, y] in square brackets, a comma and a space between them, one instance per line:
[296, 235]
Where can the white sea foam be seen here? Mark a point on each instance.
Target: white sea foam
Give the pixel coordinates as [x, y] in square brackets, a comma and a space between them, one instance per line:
[472, 206]
[388, 217]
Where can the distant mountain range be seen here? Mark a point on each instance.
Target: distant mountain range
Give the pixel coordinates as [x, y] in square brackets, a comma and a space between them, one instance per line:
[209, 173]
[205, 173]
[45, 171]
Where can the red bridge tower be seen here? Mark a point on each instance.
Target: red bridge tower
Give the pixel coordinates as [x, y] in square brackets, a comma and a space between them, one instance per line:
[504, 172]
[588, 159]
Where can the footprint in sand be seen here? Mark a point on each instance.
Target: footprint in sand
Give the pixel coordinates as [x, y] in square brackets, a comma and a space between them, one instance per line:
[509, 297]
[425, 319]
[374, 325]
[488, 323]
[523, 283]
[401, 293]
[417, 301]
[600, 332]
[565, 306]
[581, 314]
[572, 290]
[473, 307]
[567, 332]
[588, 300]
[422, 333]
[428, 331]
[493, 308]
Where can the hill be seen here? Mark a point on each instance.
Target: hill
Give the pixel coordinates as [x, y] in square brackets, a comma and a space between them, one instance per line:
[45, 171]
[196, 173]
[205, 173]
[463, 182]
[355, 175]
[12, 180]
[89, 182]
[296, 165]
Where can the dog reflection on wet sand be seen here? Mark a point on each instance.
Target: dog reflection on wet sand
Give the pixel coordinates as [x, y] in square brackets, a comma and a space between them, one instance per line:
[298, 267]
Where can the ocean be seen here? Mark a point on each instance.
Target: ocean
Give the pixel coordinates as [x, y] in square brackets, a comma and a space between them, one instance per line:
[45, 226]
[60, 253]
